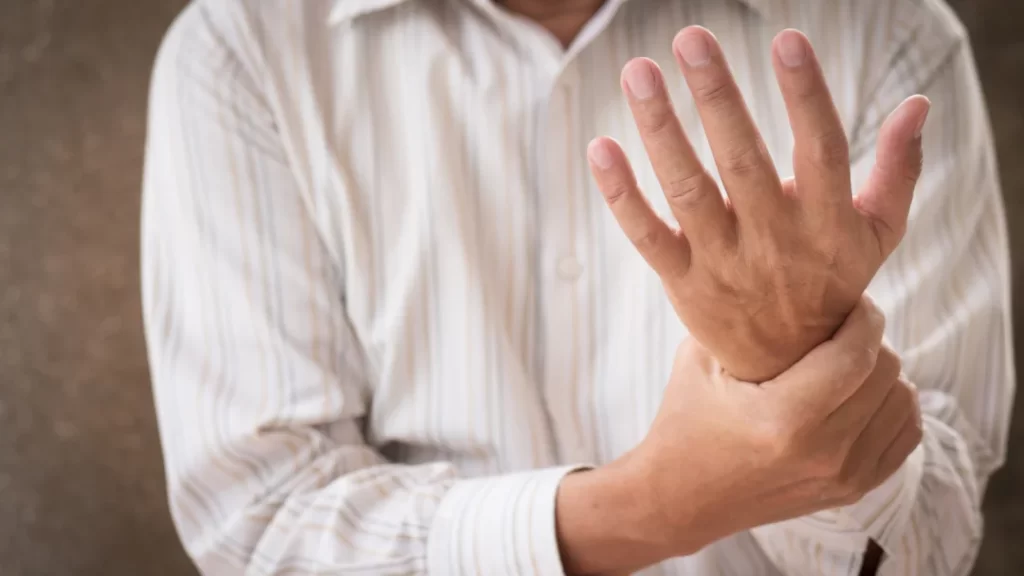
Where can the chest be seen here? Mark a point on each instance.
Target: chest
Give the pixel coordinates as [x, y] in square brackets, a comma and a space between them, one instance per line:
[461, 157]
[480, 261]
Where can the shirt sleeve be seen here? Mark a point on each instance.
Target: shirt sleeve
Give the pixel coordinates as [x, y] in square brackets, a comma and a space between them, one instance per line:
[259, 380]
[945, 292]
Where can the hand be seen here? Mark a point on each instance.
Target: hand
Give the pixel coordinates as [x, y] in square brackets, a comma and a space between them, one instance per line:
[765, 276]
[820, 435]
[724, 455]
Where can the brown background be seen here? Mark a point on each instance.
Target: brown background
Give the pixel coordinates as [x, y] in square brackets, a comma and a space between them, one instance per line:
[81, 482]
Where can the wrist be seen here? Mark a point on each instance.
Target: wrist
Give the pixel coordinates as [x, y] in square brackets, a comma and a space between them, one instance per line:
[608, 521]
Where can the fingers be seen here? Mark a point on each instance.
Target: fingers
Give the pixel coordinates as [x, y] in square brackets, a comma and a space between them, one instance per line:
[887, 194]
[693, 196]
[899, 450]
[856, 410]
[664, 250]
[830, 373]
[821, 156]
[743, 161]
[889, 437]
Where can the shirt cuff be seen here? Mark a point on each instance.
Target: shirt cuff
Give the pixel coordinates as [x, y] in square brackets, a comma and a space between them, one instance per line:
[880, 515]
[498, 525]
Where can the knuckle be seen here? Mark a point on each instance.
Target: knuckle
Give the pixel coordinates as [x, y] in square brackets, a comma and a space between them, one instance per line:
[852, 484]
[857, 361]
[878, 320]
[715, 94]
[687, 191]
[617, 192]
[829, 149]
[829, 251]
[656, 121]
[888, 364]
[744, 159]
[905, 396]
[914, 393]
[916, 433]
[647, 241]
[874, 313]
[903, 451]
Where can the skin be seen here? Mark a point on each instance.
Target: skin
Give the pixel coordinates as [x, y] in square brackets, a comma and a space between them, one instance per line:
[563, 18]
[763, 278]
[725, 455]
[785, 401]
[784, 259]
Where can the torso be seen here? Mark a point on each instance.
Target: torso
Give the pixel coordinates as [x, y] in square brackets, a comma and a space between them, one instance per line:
[446, 171]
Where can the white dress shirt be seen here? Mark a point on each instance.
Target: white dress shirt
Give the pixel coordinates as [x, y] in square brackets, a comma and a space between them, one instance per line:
[387, 309]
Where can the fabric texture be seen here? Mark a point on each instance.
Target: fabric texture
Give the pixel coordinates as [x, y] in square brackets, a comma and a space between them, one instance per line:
[387, 309]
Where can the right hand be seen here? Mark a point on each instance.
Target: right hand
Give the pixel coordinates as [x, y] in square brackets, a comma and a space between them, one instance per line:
[724, 455]
[770, 274]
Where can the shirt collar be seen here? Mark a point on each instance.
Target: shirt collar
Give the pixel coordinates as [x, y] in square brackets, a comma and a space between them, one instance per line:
[342, 10]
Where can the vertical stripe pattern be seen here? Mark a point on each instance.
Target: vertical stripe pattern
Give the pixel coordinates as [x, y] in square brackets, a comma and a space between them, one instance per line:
[387, 310]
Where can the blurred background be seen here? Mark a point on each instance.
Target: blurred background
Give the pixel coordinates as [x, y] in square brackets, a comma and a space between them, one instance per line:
[81, 480]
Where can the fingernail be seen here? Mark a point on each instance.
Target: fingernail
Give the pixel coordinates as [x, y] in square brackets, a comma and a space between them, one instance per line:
[694, 49]
[639, 78]
[599, 154]
[792, 48]
[920, 123]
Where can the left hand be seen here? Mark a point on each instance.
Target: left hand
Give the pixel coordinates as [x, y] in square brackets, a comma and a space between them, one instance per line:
[724, 456]
[762, 279]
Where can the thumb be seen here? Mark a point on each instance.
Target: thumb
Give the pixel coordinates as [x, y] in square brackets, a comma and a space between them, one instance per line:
[885, 198]
[829, 374]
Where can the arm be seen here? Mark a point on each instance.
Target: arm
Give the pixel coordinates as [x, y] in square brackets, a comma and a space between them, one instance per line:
[945, 293]
[259, 380]
[951, 273]
[723, 455]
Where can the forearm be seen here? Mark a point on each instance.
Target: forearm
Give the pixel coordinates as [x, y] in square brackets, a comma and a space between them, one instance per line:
[607, 523]
[342, 509]
[338, 508]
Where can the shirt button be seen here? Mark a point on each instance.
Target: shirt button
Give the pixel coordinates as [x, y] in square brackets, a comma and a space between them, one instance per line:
[569, 269]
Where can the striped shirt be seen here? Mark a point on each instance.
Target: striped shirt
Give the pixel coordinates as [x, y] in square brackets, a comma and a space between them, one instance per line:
[387, 309]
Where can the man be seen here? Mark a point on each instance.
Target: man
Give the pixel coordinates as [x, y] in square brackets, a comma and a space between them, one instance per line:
[394, 329]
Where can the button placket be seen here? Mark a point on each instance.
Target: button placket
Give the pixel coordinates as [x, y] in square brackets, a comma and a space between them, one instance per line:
[564, 318]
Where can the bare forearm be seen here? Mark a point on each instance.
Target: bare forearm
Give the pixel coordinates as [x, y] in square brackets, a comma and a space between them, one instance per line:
[607, 523]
